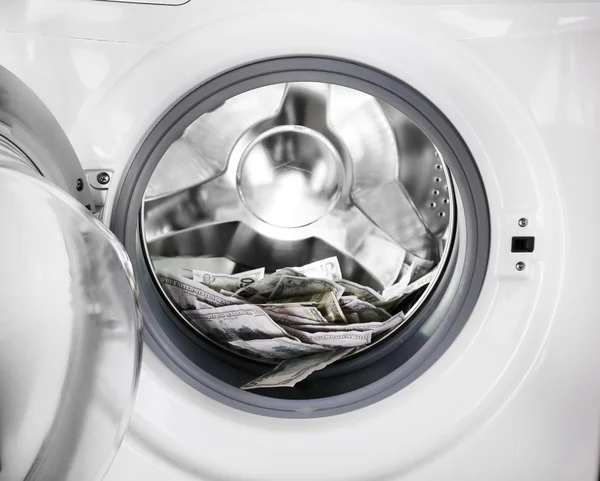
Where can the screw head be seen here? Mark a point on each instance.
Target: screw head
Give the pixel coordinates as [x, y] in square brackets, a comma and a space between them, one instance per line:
[520, 266]
[79, 185]
[523, 222]
[103, 178]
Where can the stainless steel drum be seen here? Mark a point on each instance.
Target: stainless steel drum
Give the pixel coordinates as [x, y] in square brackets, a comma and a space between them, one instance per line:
[287, 174]
[283, 162]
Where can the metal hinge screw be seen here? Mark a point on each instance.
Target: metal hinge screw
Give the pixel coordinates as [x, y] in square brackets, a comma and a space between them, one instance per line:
[103, 178]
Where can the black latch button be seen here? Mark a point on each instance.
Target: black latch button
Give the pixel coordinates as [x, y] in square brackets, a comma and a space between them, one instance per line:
[523, 244]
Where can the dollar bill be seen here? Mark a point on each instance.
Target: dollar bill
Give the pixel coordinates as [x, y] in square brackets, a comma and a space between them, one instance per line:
[308, 313]
[299, 301]
[406, 274]
[411, 272]
[289, 373]
[325, 302]
[400, 297]
[165, 266]
[199, 305]
[392, 323]
[333, 338]
[185, 265]
[397, 292]
[261, 289]
[364, 293]
[344, 300]
[231, 294]
[287, 320]
[256, 299]
[420, 268]
[366, 311]
[325, 269]
[382, 257]
[231, 323]
[293, 287]
[373, 327]
[278, 348]
[187, 294]
[331, 309]
[228, 282]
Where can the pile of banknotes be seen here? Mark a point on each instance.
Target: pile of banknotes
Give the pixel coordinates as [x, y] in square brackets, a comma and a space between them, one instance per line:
[303, 318]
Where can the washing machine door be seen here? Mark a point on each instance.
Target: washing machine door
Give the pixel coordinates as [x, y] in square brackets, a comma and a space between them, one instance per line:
[70, 345]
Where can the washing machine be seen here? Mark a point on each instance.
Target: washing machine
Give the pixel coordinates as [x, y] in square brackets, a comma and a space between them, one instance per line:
[456, 142]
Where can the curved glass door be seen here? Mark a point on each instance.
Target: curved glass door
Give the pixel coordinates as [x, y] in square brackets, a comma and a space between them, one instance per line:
[70, 345]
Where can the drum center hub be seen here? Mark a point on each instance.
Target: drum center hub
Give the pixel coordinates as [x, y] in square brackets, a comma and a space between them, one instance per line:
[290, 176]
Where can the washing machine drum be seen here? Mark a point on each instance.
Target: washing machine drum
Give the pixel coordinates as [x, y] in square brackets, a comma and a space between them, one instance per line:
[70, 338]
[265, 188]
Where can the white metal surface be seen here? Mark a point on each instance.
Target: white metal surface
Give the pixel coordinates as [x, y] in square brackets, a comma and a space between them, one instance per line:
[516, 396]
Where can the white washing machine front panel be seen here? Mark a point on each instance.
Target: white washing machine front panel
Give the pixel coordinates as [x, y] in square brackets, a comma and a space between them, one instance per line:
[512, 397]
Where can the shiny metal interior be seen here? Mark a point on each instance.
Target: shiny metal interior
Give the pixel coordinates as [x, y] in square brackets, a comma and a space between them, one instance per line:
[287, 174]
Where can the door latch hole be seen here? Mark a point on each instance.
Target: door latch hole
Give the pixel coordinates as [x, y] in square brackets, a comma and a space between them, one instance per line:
[523, 244]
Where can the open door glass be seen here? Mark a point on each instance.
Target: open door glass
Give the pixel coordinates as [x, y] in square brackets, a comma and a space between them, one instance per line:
[70, 345]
